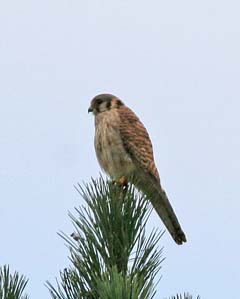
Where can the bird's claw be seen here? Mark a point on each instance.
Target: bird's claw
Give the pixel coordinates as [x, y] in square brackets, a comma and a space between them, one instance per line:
[121, 181]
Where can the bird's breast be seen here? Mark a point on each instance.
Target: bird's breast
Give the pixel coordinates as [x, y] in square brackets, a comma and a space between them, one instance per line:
[110, 151]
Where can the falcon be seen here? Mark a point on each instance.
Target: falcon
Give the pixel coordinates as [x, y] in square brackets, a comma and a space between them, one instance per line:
[124, 151]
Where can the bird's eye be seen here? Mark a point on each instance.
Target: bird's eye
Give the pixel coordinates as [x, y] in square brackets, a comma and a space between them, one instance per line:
[99, 101]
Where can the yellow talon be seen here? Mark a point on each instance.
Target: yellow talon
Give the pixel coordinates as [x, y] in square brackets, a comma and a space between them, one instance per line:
[122, 180]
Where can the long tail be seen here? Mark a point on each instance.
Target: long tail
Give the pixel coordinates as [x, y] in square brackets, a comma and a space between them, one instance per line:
[165, 211]
[161, 204]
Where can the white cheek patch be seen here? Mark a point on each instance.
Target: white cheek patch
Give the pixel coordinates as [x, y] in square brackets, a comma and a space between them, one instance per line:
[105, 106]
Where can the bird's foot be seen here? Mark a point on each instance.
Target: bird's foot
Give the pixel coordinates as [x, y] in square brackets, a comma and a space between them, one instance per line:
[122, 181]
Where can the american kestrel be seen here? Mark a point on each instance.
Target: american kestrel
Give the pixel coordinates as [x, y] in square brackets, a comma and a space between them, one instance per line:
[124, 151]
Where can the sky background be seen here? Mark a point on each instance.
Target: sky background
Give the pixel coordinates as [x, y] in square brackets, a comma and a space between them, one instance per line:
[177, 65]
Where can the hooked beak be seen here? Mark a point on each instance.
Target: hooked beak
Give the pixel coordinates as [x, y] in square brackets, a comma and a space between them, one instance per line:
[90, 109]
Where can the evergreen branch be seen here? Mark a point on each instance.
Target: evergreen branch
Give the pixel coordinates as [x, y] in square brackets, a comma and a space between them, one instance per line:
[11, 286]
[112, 253]
[122, 287]
[185, 296]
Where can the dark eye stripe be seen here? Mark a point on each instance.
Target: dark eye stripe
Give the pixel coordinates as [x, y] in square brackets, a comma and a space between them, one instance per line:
[108, 105]
[119, 103]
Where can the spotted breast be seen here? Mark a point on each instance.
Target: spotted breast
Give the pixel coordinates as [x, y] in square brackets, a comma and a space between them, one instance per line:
[111, 154]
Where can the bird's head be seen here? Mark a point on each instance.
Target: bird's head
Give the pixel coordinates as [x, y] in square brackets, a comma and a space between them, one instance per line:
[104, 102]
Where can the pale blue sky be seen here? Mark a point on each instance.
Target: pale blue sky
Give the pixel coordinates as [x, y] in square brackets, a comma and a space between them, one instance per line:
[177, 65]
